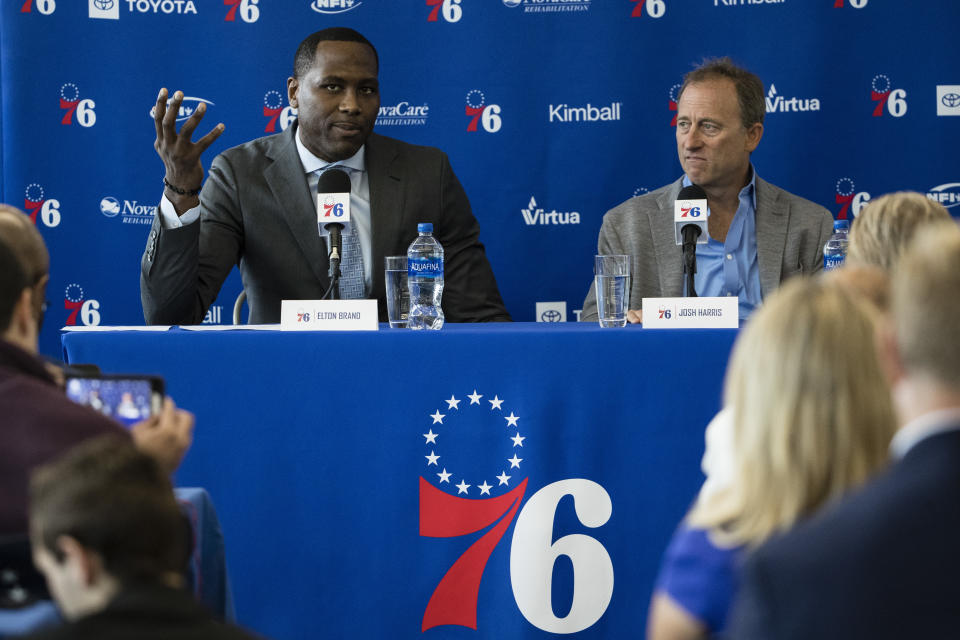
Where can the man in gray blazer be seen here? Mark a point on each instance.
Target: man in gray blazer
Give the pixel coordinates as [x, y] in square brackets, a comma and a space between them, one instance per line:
[760, 235]
[257, 209]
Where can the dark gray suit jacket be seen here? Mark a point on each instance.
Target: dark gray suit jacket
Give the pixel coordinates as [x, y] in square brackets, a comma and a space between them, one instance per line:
[881, 565]
[257, 213]
[791, 232]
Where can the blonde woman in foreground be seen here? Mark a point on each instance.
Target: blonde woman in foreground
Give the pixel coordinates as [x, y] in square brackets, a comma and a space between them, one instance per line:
[812, 418]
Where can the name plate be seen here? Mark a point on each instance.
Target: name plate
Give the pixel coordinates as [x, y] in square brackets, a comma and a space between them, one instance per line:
[328, 315]
[691, 313]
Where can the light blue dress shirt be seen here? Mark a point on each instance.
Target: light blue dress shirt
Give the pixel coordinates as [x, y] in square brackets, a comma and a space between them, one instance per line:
[730, 268]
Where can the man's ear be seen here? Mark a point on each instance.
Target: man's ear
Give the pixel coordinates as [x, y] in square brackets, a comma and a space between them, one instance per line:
[292, 85]
[83, 564]
[23, 317]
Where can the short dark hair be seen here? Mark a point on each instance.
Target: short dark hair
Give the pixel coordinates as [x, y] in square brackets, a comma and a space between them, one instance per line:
[307, 51]
[13, 280]
[116, 501]
[749, 87]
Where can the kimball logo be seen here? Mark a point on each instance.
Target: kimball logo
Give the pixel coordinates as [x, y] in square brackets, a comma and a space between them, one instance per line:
[403, 113]
[130, 211]
[549, 6]
[946, 194]
[535, 215]
[777, 103]
[588, 113]
[334, 6]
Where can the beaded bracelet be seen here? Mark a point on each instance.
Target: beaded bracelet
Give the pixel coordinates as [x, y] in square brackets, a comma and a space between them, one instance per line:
[182, 192]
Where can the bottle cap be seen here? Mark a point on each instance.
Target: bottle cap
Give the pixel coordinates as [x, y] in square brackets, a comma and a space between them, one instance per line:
[425, 227]
[841, 224]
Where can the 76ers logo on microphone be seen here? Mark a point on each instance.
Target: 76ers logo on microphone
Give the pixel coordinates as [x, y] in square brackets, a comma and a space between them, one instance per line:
[487, 115]
[852, 200]
[274, 110]
[892, 100]
[71, 102]
[34, 203]
[87, 310]
[461, 495]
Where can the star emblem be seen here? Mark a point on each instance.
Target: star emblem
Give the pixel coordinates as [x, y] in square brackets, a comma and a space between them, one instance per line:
[444, 476]
[452, 403]
[438, 417]
[503, 478]
[432, 458]
[484, 488]
[511, 419]
[431, 437]
[514, 461]
[462, 487]
[475, 397]
[518, 440]
[495, 403]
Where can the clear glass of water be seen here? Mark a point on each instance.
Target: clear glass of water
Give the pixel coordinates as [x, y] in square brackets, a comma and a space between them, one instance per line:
[612, 279]
[398, 295]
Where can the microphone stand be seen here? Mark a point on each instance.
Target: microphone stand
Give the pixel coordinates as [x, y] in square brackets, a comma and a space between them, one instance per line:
[690, 234]
[333, 291]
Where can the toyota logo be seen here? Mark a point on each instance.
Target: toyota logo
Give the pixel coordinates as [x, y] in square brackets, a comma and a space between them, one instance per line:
[951, 100]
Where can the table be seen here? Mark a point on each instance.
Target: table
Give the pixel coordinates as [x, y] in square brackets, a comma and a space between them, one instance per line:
[541, 468]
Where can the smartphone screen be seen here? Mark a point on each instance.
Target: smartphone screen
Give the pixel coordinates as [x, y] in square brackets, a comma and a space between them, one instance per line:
[126, 399]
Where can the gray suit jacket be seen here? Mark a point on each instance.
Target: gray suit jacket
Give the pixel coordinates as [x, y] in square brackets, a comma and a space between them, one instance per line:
[257, 213]
[791, 232]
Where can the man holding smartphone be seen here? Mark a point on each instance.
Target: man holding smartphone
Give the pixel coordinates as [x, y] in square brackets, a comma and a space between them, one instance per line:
[39, 421]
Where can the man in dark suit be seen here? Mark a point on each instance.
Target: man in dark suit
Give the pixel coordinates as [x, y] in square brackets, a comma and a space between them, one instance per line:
[258, 208]
[108, 534]
[884, 563]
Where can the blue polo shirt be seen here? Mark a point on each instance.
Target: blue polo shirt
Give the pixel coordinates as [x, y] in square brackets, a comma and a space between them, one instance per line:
[730, 268]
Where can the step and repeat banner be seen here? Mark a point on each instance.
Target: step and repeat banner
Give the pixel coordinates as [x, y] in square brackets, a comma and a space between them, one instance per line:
[552, 112]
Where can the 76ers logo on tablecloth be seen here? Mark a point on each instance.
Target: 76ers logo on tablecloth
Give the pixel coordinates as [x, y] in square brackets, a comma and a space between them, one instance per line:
[71, 102]
[477, 109]
[462, 495]
[852, 200]
[274, 110]
[894, 100]
[74, 302]
[34, 203]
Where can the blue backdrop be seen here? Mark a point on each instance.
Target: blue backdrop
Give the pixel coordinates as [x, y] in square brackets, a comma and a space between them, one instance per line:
[552, 111]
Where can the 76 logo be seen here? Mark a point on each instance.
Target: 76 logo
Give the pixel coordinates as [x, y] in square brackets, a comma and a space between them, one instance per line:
[73, 301]
[70, 102]
[533, 553]
[655, 8]
[449, 9]
[488, 115]
[249, 11]
[34, 203]
[895, 101]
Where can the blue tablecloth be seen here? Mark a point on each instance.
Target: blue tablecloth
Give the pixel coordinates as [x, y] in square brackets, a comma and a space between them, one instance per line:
[353, 470]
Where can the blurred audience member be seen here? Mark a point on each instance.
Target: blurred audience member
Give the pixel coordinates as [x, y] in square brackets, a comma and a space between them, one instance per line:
[887, 224]
[884, 563]
[108, 534]
[811, 418]
[863, 281]
[39, 422]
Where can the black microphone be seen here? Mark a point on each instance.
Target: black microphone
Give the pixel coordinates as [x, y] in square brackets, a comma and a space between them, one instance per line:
[690, 225]
[333, 212]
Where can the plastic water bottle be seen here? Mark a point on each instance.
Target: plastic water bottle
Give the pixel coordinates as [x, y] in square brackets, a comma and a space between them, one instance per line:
[835, 251]
[425, 280]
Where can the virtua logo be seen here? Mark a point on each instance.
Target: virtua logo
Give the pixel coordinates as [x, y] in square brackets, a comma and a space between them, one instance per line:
[534, 215]
[588, 113]
[334, 6]
[777, 103]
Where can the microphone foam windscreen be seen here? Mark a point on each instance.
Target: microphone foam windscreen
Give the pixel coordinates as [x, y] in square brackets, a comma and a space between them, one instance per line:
[335, 181]
[693, 192]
